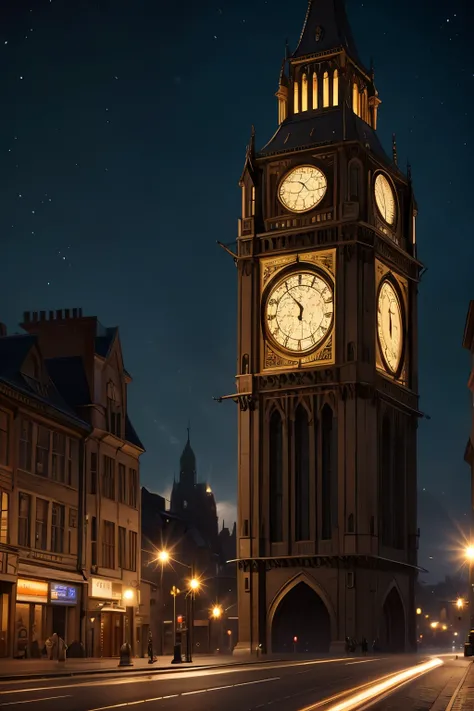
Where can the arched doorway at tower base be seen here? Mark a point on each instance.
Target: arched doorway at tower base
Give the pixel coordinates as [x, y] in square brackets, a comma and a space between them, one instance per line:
[301, 623]
[393, 627]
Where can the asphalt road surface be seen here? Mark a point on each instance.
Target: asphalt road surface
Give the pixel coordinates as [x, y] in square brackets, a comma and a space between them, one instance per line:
[286, 686]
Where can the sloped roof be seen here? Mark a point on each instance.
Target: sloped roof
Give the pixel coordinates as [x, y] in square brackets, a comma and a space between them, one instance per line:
[70, 379]
[131, 435]
[104, 342]
[13, 352]
[326, 28]
[307, 130]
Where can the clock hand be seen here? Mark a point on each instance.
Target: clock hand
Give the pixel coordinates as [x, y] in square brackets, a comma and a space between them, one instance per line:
[297, 303]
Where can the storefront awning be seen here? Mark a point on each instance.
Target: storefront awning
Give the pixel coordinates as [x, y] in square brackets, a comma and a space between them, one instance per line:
[39, 571]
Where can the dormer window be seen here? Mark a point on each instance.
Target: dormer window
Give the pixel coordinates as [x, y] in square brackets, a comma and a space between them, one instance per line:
[114, 414]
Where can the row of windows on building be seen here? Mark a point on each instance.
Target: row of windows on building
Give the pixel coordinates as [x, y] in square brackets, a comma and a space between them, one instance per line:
[121, 486]
[325, 452]
[42, 524]
[124, 544]
[42, 451]
[307, 93]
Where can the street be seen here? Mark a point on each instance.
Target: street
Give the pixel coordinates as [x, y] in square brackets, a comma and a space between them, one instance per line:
[289, 685]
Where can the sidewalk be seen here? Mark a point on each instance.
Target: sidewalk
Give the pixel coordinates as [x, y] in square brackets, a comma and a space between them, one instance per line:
[34, 668]
[463, 699]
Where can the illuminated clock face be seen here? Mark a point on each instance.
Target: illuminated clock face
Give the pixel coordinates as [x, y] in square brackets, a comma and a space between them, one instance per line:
[390, 326]
[303, 188]
[385, 199]
[299, 311]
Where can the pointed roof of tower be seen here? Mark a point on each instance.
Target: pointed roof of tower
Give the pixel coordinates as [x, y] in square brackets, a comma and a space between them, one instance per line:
[187, 462]
[326, 27]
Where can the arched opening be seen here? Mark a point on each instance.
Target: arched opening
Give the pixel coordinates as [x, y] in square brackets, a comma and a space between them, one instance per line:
[296, 102]
[325, 90]
[304, 93]
[276, 477]
[315, 90]
[328, 472]
[355, 98]
[335, 88]
[393, 623]
[302, 488]
[301, 614]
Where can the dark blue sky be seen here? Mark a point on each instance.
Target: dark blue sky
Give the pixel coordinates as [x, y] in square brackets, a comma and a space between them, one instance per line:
[122, 134]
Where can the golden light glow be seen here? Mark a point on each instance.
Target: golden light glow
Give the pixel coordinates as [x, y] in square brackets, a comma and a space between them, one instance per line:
[325, 90]
[470, 553]
[335, 88]
[128, 594]
[385, 199]
[459, 603]
[299, 311]
[455, 634]
[304, 93]
[372, 690]
[390, 326]
[434, 625]
[194, 584]
[163, 556]
[208, 489]
[418, 610]
[216, 612]
[315, 90]
[296, 102]
[355, 98]
[303, 188]
[445, 627]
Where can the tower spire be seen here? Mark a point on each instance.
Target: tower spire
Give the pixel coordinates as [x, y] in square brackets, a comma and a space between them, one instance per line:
[325, 28]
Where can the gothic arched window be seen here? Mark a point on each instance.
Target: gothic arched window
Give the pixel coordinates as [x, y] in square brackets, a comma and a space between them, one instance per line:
[398, 488]
[296, 99]
[328, 471]
[304, 93]
[315, 91]
[385, 480]
[302, 493]
[335, 88]
[354, 181]
[276, 477]
[355, 99]
[325, 90]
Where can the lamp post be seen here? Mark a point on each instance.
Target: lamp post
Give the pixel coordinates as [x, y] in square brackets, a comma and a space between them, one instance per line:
[470, 560]
[193, 585]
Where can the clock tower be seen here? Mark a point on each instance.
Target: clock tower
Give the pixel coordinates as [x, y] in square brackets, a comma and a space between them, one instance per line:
[327, 383]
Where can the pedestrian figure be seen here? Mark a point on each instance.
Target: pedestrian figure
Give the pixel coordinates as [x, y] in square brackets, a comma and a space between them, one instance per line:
[151, 658]
[364, 645]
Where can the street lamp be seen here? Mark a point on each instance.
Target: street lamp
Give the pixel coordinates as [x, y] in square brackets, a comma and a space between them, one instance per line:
[469, 552]
[216, 612]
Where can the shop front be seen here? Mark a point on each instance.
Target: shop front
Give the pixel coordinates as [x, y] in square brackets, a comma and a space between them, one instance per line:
[109, 617]
[44, 607]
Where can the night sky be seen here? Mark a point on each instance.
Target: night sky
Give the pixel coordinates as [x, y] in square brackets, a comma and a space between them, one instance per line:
[123, 128]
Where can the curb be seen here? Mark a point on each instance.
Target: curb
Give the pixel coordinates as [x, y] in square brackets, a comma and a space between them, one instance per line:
[454, 697]
[129, 670]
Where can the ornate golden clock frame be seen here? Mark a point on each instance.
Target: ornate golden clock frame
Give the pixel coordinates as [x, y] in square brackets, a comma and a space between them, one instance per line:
[272, 358]
[383, 272]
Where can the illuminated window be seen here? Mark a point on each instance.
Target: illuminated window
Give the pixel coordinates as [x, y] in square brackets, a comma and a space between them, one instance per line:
[315, 90]
[355, 99]
[365, 114]
[3, 517]
[304, 93]
[296, 103]
[325, 90]
[335, 88]
[252, 201]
